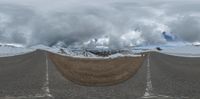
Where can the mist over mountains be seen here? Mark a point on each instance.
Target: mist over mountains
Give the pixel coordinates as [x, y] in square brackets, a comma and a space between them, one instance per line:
[116, 24]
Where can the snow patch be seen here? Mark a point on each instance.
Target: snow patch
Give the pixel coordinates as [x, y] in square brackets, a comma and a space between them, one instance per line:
[183, 51]
[123, 55]
[6, 51]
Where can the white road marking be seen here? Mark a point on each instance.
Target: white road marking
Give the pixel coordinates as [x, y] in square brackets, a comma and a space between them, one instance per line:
[24, 97]
[149, 88]
[45, 88]
[46, 84]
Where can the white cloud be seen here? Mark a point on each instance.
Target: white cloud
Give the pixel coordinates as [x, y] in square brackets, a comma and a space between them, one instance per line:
[123, 22]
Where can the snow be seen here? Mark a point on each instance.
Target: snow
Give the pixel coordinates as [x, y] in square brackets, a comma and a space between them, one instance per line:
[178, 49]
[6, 51]
[169, 45]
[80, 53]
[11, 45]
[83, 54]
[184, 51]
[196, 44]
[122, 55]
[43, 47]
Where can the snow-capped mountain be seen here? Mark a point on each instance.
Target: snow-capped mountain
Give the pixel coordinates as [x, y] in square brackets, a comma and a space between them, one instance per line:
[171, 47]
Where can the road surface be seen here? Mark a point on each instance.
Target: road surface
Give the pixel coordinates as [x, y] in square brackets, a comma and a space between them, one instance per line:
[34, 76]
[175, 77]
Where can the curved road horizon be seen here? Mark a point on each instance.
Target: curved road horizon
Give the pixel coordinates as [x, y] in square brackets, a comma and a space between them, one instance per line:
[34, 76]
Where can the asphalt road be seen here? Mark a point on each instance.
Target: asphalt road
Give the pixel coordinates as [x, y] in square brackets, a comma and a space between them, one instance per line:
[34, 76]
[174, 77]
[22, 76]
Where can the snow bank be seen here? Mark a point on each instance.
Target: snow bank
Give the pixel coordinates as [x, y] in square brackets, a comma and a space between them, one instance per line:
[184, 51]
[123, 55]
[6, 51]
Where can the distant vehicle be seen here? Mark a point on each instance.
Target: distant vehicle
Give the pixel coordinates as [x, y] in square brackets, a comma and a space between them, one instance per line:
[158, 48]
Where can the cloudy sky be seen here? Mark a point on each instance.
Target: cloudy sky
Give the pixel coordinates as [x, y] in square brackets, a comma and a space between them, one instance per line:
[116, 23]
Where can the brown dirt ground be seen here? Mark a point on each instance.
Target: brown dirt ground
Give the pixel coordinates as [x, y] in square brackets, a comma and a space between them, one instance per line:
[97, 72]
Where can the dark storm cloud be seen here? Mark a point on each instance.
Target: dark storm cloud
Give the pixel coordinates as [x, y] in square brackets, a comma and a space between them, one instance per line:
[124, 22]
[14, 21]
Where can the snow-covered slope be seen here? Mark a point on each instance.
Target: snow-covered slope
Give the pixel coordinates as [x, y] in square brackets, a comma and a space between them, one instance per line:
[186, 51]
[43, 47]
[6, 51]
[64, 51]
